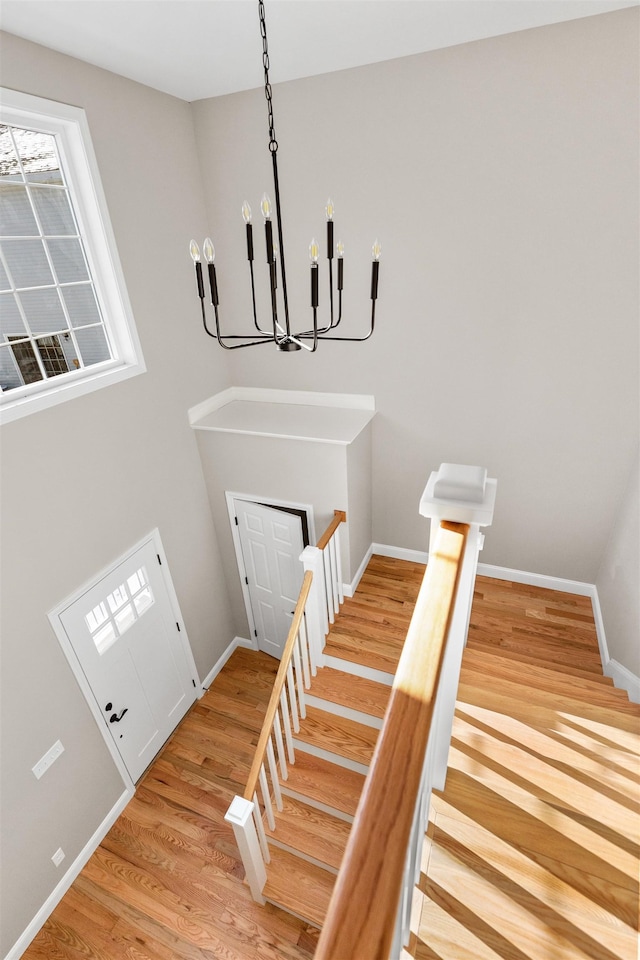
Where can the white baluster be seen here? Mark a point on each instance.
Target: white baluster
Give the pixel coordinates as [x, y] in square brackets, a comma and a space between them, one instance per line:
[262, 837]
[331, 547]
[287, 725]
[304, 657]
[299, 680]
[273, 770]
[328, 589]
[316, 608]
[240, 816]
[292, 698]
[266, 798]
[336, 537]
[306, 646]
[277, 729]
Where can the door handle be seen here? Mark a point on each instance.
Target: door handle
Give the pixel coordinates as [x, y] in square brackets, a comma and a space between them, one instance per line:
[114, 718]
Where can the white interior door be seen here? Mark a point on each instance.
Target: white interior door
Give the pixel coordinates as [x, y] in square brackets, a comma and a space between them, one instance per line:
[124, 633]
[271, 542]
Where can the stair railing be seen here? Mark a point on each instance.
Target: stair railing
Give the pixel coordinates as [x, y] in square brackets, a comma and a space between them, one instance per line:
[318, 602]
[369, 911]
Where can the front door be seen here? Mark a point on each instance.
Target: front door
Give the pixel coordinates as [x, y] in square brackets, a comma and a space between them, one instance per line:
[125, 636]
[271, 541]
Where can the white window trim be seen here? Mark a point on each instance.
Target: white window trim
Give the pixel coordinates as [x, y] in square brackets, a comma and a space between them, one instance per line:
[69, 125]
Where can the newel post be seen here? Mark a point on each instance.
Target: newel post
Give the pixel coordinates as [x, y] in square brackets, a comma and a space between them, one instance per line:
[463, 494]
[316, 608]
[240, 816]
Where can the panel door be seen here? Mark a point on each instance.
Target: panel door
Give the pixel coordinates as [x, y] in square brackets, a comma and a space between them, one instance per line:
[124, 633]
[271, 541]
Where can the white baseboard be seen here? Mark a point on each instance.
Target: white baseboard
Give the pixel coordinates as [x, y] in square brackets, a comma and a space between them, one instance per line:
[56, 896]
[399, 553]
[624, 679]
[350, 588]
[577, 587]
[220, 662]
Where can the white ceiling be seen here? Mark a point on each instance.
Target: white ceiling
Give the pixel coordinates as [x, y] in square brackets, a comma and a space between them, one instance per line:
[204, 48]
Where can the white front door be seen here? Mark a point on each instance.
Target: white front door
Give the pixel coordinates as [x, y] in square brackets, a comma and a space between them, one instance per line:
[131, 650]
[271, 542]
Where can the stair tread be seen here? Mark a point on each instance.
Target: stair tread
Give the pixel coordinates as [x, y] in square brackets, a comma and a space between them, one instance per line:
[298, 886]
[347, 738]
[377, 654]
[357, 693]
[325, 782]
[550, 680]
[310, 831]
[551, 655]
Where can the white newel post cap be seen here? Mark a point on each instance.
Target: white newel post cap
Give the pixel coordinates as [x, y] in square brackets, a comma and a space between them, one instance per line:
[460, 493]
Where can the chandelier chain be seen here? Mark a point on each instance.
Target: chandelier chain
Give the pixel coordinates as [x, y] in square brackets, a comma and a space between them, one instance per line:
[273, 143]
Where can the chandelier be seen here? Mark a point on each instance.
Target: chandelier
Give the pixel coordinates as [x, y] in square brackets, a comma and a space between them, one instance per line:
[279, 329]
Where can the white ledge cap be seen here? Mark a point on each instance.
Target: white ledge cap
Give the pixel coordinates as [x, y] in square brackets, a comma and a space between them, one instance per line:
[463, 494]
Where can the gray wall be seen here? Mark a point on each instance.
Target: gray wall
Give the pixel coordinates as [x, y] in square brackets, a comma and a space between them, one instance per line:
[502, 179]
[87, 479]
[618, 580]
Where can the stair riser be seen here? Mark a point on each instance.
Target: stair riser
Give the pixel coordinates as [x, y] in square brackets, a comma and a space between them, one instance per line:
[331, 757]
[323, 807]
[274, 842]
[341, 711]
[358, 669]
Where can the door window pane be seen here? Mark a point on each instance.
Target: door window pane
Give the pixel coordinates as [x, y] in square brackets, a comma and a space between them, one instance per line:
[26, 361]
[53, 359]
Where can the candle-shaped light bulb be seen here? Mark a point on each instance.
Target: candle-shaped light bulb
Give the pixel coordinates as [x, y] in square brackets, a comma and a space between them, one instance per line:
[376, 250]
[265, 206]
[329, 209]
[340, 248]
[246, 212]
[209, 250]
[314, 251]
[194, 250]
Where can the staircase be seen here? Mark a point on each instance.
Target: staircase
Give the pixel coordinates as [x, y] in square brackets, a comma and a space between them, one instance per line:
[335, 743]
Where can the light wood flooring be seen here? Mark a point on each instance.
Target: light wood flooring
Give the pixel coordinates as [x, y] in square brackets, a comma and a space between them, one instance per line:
[532, 852]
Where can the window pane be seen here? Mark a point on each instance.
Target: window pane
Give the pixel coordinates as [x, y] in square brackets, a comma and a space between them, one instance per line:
[43, 310]
[4, 280]
[68, 260]
[68, 348]
[39, 155]
[10, 319]
[9, 167]
[27, 263]
[81, 305]
[93, 345]
[54, 210]
[9, 374]
[16, 215]
[25, 357]
[53, 359]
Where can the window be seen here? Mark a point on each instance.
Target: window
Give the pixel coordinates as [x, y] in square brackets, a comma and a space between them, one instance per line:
[65, 322]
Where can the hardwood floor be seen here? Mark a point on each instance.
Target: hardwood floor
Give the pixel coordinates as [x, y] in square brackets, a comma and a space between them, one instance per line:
[532, 852]
[533, 847]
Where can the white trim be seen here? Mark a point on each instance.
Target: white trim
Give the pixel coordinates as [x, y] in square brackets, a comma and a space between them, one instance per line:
[399, 553]
[65, 882]
[74, 663]
[70, 127]
[579, 587]
[349, 589]
[624, 679]
[336, 758]
[350, 401]
[310, 802]
[221, 661]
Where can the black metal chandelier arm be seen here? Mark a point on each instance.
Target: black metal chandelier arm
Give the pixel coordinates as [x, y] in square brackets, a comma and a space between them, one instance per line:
[309, 334]
[219, 337]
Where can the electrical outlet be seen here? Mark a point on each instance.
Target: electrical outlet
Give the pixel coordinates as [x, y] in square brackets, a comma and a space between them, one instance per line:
[58, 856]
[45, 762]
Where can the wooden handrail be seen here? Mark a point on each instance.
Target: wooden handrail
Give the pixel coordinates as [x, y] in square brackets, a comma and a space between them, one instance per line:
[362, 914]
[339, 516]
[281, 677]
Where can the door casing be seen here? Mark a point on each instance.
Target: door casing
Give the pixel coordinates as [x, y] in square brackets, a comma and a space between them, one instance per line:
[231, 497]
[74, 663]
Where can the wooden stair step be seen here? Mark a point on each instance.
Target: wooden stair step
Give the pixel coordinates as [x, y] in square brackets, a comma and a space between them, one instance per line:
[377, 654]
[346, 738]
[547, 678]
[348, 690]
[325, 782]
[310, 832]
[298, 886]
[552, 655]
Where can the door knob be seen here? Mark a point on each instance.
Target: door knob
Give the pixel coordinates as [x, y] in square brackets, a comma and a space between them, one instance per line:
[114, 718]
